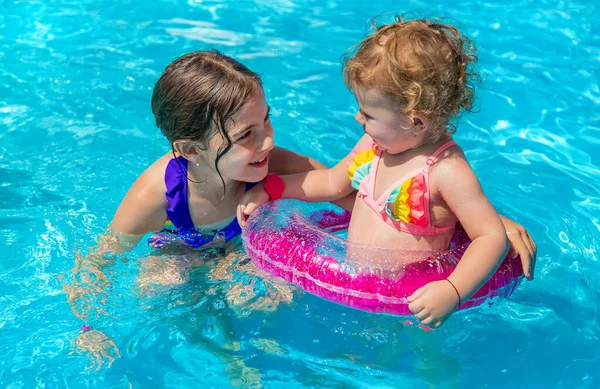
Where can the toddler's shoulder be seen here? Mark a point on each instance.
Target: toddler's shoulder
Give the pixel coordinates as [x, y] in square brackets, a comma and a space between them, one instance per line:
[449, 163]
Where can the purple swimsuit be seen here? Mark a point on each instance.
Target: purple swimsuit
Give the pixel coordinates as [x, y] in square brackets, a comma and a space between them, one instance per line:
[179, 226]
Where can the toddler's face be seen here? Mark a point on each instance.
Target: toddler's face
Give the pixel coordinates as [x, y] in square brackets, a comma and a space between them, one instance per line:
[382, 120]
[251, 137]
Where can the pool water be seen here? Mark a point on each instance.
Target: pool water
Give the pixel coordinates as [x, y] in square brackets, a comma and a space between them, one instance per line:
[76, 130]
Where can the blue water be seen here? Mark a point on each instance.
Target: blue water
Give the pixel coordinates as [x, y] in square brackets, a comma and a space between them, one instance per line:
[76, 130]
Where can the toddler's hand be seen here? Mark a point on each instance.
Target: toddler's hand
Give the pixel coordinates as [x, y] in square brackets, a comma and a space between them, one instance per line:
[433, 303]
[253, 199]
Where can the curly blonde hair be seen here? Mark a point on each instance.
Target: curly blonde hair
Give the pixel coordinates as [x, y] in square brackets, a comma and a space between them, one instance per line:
[422, 65]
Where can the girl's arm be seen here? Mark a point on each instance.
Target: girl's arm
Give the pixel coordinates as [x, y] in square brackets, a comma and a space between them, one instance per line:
[142, 210]
[460, 189]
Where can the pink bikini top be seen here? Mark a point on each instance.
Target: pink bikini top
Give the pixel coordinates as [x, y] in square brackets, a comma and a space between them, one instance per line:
[405, 204]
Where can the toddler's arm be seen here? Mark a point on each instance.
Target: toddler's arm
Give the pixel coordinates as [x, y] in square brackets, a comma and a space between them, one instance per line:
[315, 185]
[318, 185]
[460, 189]
[283, 161]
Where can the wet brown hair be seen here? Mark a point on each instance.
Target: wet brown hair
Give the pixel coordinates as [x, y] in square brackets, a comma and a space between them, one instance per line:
[196, 95]
[421, 65]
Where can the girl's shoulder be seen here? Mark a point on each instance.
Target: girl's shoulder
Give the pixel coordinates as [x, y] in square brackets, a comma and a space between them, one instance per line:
[155, 173]
[152, 181]
[144, 207]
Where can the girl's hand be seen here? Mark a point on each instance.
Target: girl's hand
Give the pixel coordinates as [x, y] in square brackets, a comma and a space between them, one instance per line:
[98, 346]
[251, 200]
[433, 303]
[522, 244]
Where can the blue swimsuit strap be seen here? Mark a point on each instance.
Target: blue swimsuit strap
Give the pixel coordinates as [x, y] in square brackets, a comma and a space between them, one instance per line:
[178, 211]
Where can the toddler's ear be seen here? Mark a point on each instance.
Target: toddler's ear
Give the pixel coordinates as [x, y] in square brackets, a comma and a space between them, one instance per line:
[420, 123]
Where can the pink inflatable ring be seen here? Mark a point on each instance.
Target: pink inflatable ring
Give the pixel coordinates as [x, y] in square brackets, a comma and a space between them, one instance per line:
[294, 240]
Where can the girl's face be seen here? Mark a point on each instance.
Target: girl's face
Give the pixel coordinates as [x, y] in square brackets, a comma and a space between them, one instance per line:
[251, 137]
[392, 130]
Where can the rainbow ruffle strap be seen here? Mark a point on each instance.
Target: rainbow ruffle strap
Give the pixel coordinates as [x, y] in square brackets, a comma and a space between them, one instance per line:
[361, 167]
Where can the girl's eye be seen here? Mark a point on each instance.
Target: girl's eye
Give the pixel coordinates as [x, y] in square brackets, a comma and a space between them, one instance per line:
[268, 117]
[243, 136]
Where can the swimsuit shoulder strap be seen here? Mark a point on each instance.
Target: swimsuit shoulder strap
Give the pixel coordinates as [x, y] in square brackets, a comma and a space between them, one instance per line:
[176, 182]
[431, 160]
